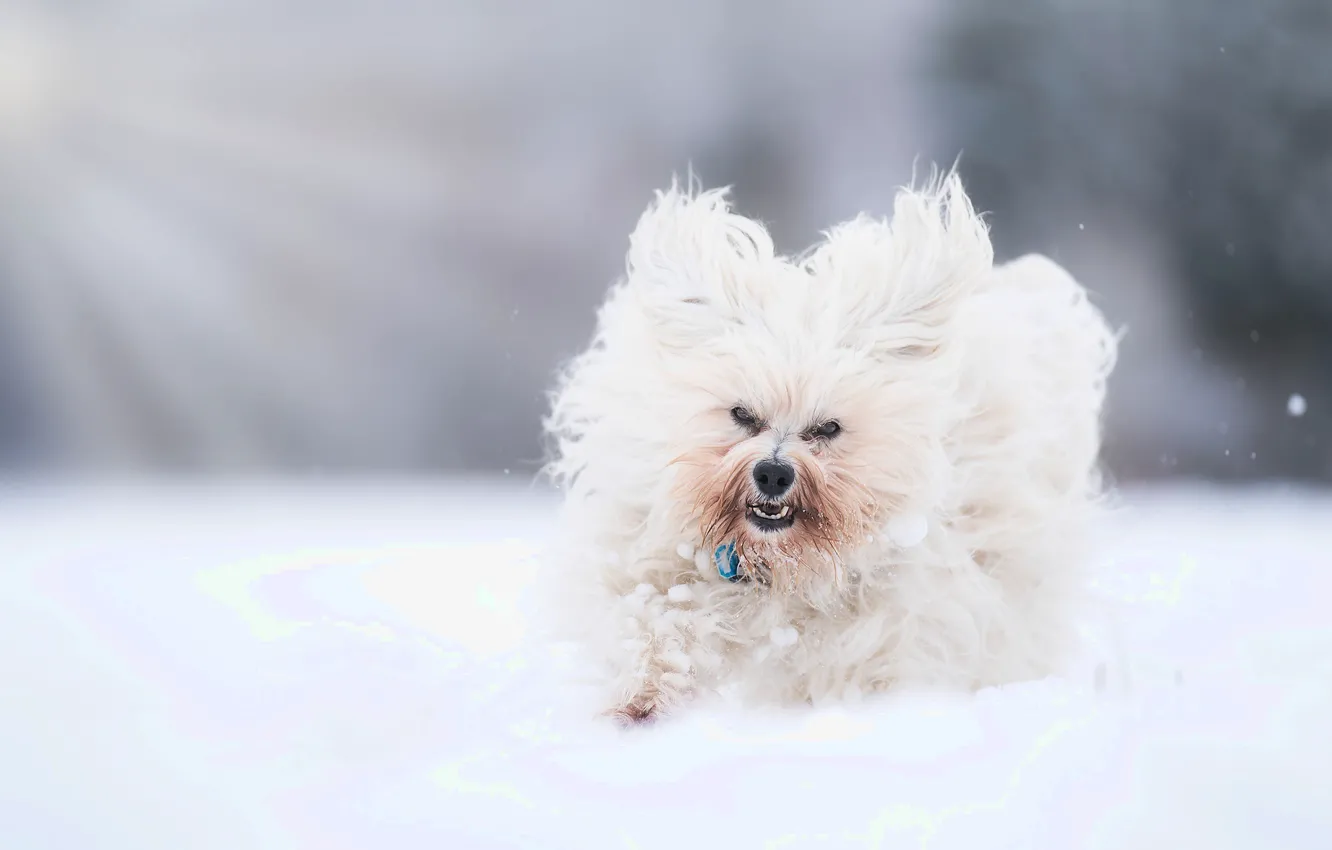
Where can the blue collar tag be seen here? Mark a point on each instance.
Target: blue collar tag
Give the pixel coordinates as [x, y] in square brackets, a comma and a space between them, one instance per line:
[728, 562]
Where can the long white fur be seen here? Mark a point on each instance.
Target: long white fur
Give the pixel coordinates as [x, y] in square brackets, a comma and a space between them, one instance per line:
[970, 395]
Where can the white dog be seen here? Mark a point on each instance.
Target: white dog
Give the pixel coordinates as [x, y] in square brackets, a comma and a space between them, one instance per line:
[808, 478]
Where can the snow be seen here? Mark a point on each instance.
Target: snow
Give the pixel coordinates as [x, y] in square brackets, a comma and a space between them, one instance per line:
[355, 665]
[680, 594]
[783, 636]
[907, 530]
[1296, 405]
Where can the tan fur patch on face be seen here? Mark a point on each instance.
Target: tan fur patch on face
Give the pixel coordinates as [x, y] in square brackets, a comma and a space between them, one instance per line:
[833, 511]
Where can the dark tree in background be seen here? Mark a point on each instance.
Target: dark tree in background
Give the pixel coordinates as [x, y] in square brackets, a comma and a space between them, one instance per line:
[1201, 129]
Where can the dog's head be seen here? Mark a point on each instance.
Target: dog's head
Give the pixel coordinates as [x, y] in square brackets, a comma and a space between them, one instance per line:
[788, 406]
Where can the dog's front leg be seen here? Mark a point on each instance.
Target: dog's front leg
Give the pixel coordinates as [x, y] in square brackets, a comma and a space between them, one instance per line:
[659, 662]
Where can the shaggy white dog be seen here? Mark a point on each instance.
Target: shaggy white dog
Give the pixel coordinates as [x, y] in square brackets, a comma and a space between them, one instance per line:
[808, 478]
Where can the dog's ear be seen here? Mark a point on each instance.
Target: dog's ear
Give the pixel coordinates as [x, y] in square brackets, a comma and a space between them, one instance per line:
[898, 283]
[692, 260]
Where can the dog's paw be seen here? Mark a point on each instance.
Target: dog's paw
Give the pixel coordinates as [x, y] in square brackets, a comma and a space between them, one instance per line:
[634, 714]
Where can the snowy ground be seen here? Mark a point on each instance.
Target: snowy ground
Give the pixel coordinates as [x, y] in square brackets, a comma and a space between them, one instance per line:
[351, 667]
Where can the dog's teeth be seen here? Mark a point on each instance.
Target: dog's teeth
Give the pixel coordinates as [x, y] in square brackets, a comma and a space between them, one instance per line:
[781, 514]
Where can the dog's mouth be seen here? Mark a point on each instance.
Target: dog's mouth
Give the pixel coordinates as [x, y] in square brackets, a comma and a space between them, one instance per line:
[767, 516]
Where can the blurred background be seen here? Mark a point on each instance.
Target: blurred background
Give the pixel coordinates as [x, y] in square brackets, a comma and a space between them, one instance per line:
[359, 236]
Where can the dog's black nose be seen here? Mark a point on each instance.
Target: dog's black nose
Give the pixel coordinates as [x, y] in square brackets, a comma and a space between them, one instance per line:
[774, 477]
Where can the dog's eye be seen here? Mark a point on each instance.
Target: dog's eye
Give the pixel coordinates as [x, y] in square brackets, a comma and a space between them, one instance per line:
[745, 419]
[826, 431]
